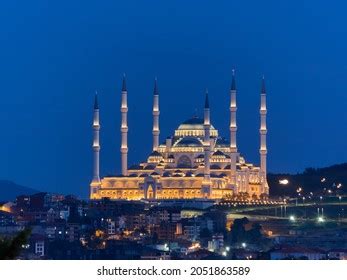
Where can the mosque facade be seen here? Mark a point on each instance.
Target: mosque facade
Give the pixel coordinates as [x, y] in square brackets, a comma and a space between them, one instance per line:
[194, 163]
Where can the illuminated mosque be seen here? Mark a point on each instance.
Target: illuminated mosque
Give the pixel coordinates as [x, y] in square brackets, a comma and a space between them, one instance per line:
[194, 163]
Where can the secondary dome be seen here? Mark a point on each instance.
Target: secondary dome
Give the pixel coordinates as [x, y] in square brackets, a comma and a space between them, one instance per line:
[189, 142]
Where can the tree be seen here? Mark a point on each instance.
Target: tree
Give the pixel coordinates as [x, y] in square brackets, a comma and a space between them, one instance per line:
[10, 248]
[254, 234]
[238, 230]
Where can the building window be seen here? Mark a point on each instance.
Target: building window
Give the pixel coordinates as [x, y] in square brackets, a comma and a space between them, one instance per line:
[40, 248]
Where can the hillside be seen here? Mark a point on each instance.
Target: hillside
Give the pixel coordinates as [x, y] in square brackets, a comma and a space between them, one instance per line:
[10, 190]
[311, 180]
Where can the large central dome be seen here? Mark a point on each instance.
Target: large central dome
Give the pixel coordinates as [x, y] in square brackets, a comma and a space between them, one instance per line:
[194, 123]
[194, 127]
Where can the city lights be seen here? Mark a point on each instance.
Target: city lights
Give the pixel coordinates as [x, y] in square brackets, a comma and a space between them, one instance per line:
[284, 182]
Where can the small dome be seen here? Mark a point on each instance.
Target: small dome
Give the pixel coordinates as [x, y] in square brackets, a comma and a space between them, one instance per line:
[222, 142]
[218, 153]
[155, 154]
[135, 167]
[149, 167]
[189, 142]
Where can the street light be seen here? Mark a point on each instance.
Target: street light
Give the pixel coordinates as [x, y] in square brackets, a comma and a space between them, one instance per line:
[244, 245]
[292, 218]
[320, 219]
[284, 182]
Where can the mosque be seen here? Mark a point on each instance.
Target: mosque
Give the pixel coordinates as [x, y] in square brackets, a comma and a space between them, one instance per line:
[194, 163]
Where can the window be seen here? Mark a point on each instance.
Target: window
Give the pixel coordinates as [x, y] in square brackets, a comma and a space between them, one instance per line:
[40, 248]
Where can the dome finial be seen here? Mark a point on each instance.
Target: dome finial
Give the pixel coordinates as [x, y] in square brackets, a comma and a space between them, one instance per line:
[195, 113]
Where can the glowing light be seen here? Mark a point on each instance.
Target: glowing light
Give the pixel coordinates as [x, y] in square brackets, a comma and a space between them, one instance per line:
[284, 182]
[329, 191]
[227, 248]
[292, 218]
[339, 185]
[244, 245]
[299, 190]
[224, 254]
[321, 219]
[323, 180]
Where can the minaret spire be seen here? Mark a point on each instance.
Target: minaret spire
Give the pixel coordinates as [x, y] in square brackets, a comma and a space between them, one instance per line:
[124, 129]
[206, 186]
[263, 132]
[233, 130]
[124, 84]
[207, 103]
[96, 183]
[156, 114]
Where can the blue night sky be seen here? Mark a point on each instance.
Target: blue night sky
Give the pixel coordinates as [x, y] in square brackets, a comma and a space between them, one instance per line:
[53, 56]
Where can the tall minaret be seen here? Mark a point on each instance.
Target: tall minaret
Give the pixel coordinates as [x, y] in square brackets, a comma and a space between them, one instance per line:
[233, 130]
[207, 146]
[156, 114]
[124, 129]
[96, 149]
[263, 131]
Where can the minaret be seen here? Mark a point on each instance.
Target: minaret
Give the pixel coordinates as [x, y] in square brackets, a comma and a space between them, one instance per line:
[233, 130]
[156, 114]
[207, 147]
[124, 129]
[263, 131]
[96, 149]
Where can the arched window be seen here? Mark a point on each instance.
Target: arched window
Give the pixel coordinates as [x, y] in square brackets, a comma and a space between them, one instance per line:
[184, 162]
